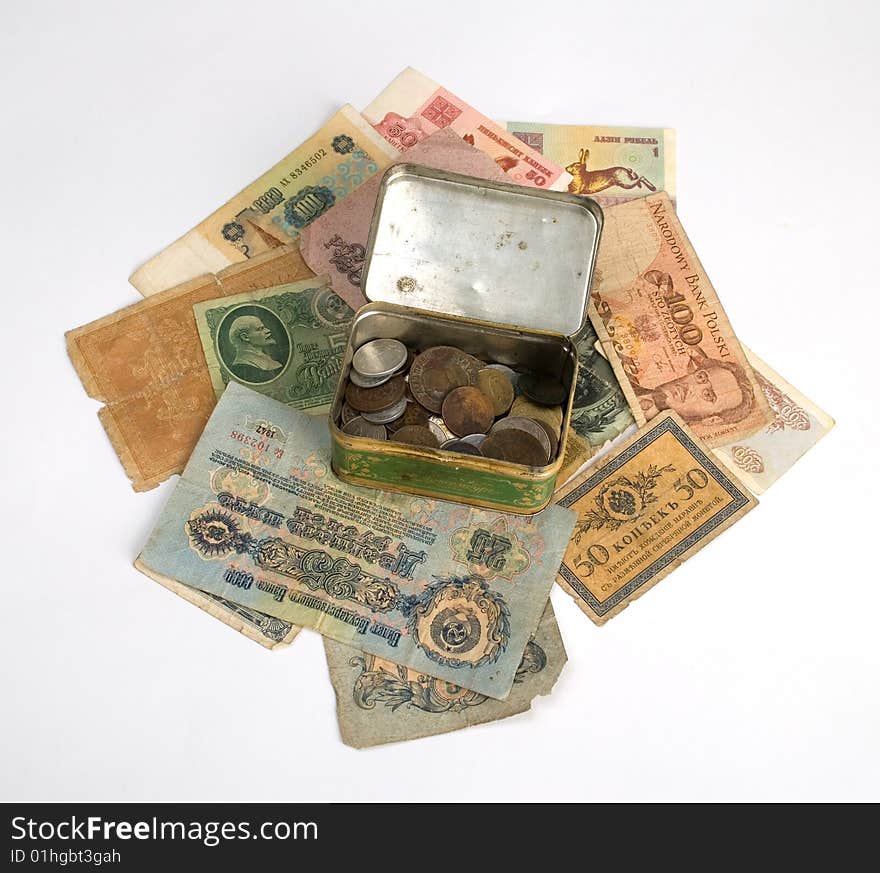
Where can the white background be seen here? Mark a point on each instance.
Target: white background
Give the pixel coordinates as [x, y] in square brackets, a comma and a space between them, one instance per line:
[751, 673]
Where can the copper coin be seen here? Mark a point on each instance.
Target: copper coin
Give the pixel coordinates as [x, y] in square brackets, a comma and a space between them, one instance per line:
[515, 446]
[525, 408]
[444, 356]
[414, 413]
[348, 413]
[552, 436]
[375, 399]
[497, 387]
[461, 447]
[383, 416]
[430, 385]
[415, 435]
[508, 371]
[468, 410]
[362, 428]
[529, 425]
[543, 389]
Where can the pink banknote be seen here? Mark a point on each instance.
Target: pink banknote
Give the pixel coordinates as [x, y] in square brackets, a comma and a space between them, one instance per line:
[413, 107]
[335, 243]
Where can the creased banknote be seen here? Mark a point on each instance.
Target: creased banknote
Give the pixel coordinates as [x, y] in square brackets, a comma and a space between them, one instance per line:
[413, 107]
[658, 499]
[258, 518]
[664, 329]
[610, 164]
[286, 342]
[145, 363]
[378, 701]
[798, 424]
[336, 242]
[272, 211]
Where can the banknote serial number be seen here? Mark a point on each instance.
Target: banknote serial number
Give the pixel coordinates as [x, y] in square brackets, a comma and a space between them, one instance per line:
[267, 201]
[259, 444]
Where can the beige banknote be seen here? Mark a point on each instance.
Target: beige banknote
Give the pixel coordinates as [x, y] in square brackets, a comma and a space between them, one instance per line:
[272, 211]
[145, 362]
[664, 329]
[610, 164]
[657, 500]
[378, 701]
[798, 424]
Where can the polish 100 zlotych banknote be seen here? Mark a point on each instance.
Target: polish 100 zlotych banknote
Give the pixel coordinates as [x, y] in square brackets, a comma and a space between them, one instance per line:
[258, 518]
[609, 164]
[664, 329]
[285, 342]
[273, 210]
[378, 701]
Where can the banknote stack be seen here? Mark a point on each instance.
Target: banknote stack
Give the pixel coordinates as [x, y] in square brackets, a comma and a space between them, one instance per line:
[435, 615]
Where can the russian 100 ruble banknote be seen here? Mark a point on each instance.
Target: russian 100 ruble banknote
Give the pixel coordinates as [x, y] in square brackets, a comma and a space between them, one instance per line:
[259, 519]
[272, 210]
[664, 329]
[610, 164]
[378, 701]
[285, 342]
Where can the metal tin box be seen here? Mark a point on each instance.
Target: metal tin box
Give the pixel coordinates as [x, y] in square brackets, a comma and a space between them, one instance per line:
[501, 272]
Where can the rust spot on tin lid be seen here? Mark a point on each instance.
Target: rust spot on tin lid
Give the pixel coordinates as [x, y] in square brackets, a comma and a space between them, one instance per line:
[523, 245]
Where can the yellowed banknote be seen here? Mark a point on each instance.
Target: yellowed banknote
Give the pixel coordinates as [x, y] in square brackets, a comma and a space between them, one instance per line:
[664, 329]
[658, 500]
[272, 210]
[610, 164]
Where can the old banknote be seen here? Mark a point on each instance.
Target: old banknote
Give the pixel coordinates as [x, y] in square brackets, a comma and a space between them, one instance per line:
[272, 211]
[610, 164]
[378, 701]
[286, 342]
[664, 329]
[145, 363]
[798, 424]
[413, 107]
[336, 243]
[258, 518]
[658, 499]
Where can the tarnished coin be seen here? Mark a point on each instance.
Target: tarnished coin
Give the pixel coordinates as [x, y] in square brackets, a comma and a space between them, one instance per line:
[525, 408]
[380, 357]
[468, 410]
[461, 447]
[515, 446]
[529, 426]
[552, 436]
[383, 416]
[348, 413]
[497, 387]
[366, 381]
[444, 356]
[362, 428]
[543, 389]
[414, 413]
[375, 399]
[511, 374]
[439, 429]
[414, 435]
[430, 385]
[474, 439]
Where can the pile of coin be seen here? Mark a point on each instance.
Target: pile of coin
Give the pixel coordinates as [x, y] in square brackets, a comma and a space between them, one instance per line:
[444, 398]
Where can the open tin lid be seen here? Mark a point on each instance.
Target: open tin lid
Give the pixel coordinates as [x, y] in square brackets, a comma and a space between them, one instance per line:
[485, 250]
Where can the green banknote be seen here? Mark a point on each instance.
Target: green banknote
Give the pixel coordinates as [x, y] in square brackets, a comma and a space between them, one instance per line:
[259, 519]
[286, 342]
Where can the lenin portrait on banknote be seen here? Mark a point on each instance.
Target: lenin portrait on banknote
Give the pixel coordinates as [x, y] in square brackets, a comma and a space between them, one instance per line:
[253, 344]
[711, 392]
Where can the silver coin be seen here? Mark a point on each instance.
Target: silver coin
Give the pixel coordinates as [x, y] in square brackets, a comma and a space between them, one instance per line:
[508, 371]
[367, 381]
[358, 426]
[348, 413]
[383, 416]
[461, 447]
[474, 439]
[436, 426]
[381, 357]
[526, 424]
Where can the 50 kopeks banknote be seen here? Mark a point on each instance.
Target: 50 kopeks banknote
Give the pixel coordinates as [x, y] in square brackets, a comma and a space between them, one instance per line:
[259, 519]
